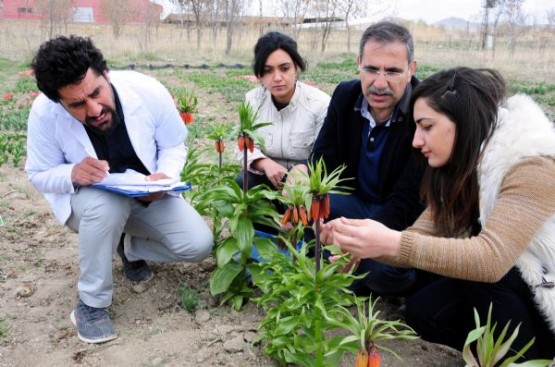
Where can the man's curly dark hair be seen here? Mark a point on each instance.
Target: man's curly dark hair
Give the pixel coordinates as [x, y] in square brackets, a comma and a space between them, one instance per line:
[63, 60]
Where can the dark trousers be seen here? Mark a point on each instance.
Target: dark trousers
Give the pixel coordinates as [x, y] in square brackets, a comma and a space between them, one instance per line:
[442, 312]
[380, 278]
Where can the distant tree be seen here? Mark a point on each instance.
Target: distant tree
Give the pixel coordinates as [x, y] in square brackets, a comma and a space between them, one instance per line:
[350, 9]
[119, 13]
[233, 10]
[551, 18]
[296, 10]
[325, 11]
[486, 35]
[55, 13]
[152, 19]
[516, 22]
[199, 9]
[508, 10]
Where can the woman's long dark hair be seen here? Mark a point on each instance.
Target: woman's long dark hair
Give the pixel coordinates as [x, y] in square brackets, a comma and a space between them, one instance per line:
[470, 98]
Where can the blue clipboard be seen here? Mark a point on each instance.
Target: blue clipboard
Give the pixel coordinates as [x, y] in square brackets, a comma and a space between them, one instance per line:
[139, 191]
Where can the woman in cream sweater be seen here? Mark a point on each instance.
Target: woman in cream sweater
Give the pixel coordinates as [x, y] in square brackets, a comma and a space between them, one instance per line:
[295, 109]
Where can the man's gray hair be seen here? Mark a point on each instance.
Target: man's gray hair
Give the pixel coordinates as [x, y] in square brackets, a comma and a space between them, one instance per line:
[388, 32]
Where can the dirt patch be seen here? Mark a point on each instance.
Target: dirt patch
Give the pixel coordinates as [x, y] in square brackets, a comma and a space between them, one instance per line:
[38, 275]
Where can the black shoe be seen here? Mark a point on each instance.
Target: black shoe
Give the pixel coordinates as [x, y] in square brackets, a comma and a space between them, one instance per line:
[136, 271]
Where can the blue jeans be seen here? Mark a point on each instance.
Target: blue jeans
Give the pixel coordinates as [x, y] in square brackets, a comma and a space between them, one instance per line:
[381, 278]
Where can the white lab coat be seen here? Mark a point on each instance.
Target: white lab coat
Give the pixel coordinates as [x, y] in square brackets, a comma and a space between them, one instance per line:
[56, 141]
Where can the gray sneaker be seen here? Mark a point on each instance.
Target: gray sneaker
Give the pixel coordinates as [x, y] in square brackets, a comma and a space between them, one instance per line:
[93, 324]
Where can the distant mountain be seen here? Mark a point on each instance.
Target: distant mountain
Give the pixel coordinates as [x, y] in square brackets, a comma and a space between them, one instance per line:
[458, 23]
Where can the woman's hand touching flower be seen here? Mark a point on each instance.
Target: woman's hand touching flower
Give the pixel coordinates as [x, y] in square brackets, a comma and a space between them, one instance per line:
[362, 238]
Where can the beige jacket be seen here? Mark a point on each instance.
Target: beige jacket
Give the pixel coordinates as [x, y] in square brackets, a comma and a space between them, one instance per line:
[290, 138]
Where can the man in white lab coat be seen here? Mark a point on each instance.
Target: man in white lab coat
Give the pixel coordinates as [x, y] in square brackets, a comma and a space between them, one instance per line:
[87, 123]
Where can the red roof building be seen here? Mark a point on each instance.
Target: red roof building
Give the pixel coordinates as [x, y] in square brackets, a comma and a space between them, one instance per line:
[84, 11]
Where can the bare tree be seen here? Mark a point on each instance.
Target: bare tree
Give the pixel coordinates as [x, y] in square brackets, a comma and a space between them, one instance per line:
[550, 14]
[215, 14]
[233, 10]
[55, 13]
[488, 5]
[296, 10]
[325, 11]
[550, 29]
[347, 8]
[515, 22]
[119, 12]
[152, 19]
[198, 8]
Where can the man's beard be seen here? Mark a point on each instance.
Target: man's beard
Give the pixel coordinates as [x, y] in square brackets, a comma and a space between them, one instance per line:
[113, 122]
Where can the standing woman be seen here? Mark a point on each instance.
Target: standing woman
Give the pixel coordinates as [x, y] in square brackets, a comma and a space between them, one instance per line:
[295, 109]
[489, 227]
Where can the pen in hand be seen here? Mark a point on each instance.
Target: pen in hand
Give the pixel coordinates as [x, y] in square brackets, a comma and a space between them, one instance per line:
[92, 155]
[90, 170]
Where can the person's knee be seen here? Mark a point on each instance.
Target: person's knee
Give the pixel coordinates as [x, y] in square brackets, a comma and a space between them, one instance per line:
[198, 248]
[106, 208]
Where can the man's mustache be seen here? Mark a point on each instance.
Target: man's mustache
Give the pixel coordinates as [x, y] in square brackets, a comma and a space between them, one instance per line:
[89, 120]
[380, 91]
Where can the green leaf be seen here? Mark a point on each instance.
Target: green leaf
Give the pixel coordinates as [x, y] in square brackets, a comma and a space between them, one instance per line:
[225, 251]
[257, 275]
[237, 302]
[266, 247]
[244, 233]
[221, 278]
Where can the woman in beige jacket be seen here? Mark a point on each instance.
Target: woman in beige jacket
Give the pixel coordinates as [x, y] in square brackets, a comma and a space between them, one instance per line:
[488, 232]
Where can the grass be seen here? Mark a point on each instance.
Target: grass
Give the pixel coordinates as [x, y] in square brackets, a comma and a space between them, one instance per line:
[189, 298]
[4, 327]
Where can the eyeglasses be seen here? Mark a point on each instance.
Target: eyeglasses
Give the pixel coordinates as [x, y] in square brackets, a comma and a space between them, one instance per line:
[389, 75]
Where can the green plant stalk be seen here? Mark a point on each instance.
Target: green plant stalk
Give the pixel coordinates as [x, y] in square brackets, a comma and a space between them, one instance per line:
[245, 172]
[220, 160]
[318, 333]
[318, 246]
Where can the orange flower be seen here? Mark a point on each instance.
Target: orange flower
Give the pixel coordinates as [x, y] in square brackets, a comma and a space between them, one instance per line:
[374, 357]
[362, 359]
[220, 145]
[241, 143]
[187, 117]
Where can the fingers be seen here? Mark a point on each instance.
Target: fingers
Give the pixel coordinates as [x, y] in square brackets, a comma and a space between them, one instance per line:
[277, 178]
[353, 222]
[89, 171]
[156, 176]
[95, 164]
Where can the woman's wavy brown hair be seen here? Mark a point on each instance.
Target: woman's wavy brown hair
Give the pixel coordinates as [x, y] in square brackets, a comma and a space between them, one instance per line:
[470, 98]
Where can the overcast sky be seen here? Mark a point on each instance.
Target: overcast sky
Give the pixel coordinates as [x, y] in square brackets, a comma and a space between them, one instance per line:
[434, 10]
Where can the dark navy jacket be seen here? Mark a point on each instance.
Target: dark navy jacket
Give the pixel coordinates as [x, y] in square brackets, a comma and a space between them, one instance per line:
[401, 168]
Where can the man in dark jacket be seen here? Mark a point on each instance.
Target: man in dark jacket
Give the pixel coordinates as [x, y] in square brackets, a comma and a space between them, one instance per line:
[367, 130]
